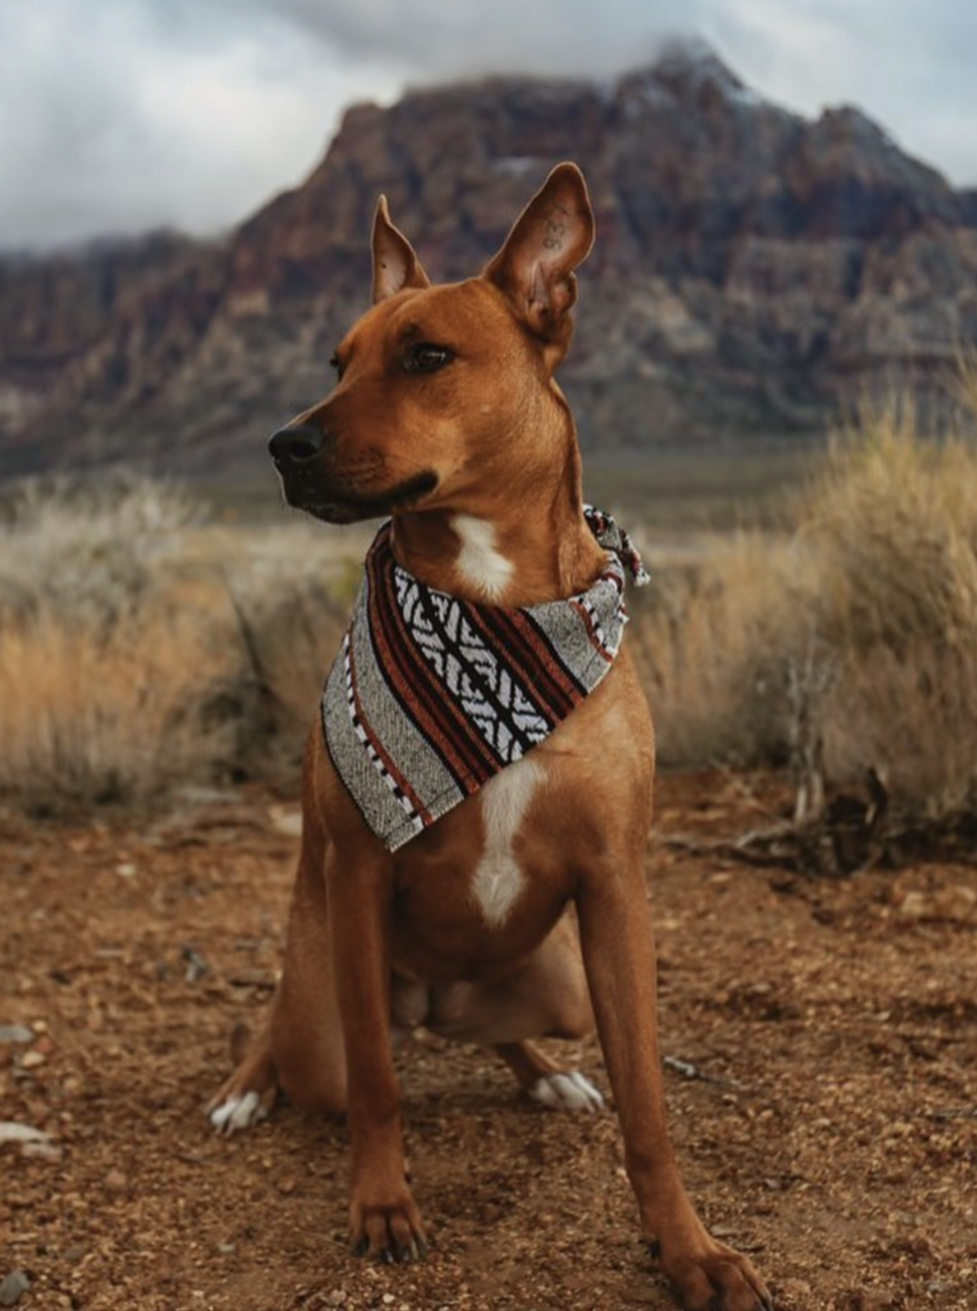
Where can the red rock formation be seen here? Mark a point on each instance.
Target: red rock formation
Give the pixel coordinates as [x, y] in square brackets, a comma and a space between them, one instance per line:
[753, 269]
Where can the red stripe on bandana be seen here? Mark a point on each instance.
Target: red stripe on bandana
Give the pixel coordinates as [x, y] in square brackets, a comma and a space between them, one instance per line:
[412, 681]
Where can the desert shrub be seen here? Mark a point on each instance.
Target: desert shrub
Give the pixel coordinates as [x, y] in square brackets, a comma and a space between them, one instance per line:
[911, 718]
[118, 719]
[892, 524]
[892, 520]
[88, 551]
[851, 641]
[140, 652]
[714, 645]
[291, 595]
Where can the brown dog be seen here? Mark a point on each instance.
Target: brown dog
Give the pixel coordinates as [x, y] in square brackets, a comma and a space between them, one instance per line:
[522, 912]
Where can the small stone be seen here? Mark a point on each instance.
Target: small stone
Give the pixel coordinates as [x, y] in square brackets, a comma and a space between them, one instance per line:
[15, 1033]
[13, 1132]
[13, 1287]
[126, 869]
[197, 967]
[116, 1181]
[42, 1151]
[32, 1059]
[337, 1297]
[956, 903]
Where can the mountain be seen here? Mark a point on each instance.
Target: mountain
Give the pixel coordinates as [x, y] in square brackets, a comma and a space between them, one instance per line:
[754, 271]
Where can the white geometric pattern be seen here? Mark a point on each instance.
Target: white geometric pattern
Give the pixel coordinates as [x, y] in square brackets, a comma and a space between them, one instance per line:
[470, 672]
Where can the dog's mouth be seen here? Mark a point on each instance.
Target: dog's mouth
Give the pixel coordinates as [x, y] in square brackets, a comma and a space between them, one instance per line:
[341, 506]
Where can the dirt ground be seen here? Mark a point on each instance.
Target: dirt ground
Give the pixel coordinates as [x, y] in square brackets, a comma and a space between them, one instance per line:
[821, 1077]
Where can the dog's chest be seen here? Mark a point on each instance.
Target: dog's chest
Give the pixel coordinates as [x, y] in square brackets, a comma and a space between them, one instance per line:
[470, 890]
[498, 879]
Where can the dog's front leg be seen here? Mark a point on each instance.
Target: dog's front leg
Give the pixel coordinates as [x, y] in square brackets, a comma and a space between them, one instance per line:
[619, 956]
[384, 1221]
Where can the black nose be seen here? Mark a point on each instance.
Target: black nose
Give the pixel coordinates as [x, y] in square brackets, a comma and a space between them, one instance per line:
[297, 444]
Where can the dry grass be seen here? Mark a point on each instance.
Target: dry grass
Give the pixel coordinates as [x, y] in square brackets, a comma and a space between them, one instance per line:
[108, 719]
[88, 554]
[893, 522]
[852, 640]
[140, 651]
[713, 645]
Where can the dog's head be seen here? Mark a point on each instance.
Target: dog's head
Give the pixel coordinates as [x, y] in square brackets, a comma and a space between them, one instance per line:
[445, 389]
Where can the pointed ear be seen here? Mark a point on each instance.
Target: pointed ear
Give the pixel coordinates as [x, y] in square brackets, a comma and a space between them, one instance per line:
[550, 238]
[395, 266]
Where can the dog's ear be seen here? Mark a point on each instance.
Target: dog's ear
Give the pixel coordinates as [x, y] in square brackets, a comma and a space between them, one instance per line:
[534, 268]
[395, 266]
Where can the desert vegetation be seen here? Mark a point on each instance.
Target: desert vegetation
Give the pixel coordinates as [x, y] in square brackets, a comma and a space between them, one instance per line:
[144, 650]
[845, 648]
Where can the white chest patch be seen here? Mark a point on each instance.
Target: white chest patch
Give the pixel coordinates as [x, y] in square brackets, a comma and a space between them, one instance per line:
[478, 562]
[498, 880]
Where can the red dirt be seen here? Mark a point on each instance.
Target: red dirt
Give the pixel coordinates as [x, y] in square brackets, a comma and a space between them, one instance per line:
[831, 1133]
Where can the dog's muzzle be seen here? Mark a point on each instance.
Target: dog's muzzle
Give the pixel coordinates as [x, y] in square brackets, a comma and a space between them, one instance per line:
[304, 458]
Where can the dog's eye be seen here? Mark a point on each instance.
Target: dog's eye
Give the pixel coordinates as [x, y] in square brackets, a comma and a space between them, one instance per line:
[427, 358]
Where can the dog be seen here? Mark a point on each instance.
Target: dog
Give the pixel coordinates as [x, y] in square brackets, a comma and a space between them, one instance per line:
[518, 909]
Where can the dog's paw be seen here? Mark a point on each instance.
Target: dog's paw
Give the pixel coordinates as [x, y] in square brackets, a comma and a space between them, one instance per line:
[239, 1111]
[717, 1279]
[386, 1227]
[567, 1092]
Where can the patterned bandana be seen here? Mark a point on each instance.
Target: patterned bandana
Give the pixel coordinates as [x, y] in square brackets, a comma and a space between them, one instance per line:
[431, 696]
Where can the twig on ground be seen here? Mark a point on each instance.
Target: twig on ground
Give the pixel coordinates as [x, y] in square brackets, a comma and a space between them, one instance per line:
[690, 1071]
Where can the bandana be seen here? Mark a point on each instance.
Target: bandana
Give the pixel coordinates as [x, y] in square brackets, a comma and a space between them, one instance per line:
[431, 696]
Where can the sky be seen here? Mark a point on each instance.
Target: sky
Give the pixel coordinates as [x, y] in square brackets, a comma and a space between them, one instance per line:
[119, 116]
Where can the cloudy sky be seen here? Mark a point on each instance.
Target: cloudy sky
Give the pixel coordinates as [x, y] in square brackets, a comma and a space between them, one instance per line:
[121, 115]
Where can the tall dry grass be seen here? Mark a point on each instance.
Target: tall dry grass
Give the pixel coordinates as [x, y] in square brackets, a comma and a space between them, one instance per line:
[892, 523]
[90, 718]
[850, 640]
[714, 643]
[142, 653]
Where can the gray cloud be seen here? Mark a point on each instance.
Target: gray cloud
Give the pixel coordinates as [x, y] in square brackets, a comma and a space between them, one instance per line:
[439, 40]
[126, 114]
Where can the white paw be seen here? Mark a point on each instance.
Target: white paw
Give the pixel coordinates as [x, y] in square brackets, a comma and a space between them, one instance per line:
[238, 1112]
[567, 1092]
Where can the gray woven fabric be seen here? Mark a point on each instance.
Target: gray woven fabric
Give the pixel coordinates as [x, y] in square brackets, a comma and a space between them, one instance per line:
[431, 696]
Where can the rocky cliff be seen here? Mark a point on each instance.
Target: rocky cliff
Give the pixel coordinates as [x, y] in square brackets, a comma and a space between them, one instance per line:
[754, 271]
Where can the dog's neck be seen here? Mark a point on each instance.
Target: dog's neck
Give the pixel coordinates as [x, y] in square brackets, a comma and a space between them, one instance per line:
[517, 550]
